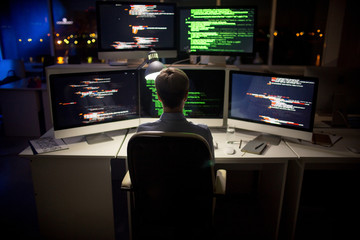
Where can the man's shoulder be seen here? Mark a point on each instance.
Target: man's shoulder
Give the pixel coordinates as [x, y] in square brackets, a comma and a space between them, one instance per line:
[201, 129]
[149, 126]
[200, 126]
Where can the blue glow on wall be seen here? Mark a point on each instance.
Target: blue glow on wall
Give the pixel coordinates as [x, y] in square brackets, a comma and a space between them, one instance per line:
[58, 10]
[26, 33]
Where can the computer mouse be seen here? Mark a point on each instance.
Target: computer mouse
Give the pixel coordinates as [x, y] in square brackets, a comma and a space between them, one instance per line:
[229, 150]
[353, 149]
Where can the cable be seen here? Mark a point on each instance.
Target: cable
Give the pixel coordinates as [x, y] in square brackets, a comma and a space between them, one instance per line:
[122, 143]
[287, 144]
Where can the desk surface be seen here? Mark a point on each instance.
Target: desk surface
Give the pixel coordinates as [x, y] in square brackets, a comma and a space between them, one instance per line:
[287, 149]
[79, 147]
[88, 176]
[309, 151]
[272, 154]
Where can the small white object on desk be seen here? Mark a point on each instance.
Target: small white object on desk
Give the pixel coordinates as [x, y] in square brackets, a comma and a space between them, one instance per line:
[229, 150]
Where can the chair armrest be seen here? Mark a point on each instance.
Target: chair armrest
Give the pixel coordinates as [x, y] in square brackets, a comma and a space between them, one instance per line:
[126, 182]
[220, 181]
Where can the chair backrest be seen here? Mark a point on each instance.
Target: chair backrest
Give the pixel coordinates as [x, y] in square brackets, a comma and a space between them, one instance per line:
[173, 179]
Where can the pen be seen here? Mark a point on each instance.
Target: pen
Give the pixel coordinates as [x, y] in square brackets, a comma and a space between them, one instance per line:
[259, 145]
[240, 143]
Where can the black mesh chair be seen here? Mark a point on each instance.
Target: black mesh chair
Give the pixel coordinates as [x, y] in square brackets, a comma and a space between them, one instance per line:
[172, 186]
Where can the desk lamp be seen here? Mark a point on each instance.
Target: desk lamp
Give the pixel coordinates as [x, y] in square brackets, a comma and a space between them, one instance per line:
[154, 65]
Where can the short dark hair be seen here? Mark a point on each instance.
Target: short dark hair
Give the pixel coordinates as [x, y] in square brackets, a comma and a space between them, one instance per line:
[172, 85]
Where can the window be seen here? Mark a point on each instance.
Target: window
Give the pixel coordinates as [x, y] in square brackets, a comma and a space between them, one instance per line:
[75, 35]
[24, 29]
[299, 32]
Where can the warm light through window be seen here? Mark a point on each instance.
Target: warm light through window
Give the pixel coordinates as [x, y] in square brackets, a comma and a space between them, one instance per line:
[60, 60]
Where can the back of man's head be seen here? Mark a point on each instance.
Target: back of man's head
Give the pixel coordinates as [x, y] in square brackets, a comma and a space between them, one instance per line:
[172, 86]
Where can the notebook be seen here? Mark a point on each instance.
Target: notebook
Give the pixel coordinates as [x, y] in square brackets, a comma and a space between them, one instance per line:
[254, 146]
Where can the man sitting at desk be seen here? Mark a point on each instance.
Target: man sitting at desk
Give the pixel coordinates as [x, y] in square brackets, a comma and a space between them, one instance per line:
[172, 87]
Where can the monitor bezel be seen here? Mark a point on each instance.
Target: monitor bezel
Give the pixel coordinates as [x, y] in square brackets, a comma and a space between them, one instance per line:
[116, 54]
[219, 53]
[98, 128]
[263, 127]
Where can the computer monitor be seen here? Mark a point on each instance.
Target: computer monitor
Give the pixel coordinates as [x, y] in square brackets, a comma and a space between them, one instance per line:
[278, 105]
[205, 103]
[87, 103]
[221, 31]
[129, 30]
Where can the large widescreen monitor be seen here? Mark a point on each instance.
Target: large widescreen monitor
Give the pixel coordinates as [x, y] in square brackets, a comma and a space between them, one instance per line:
[89, 103]
[221, 31]
[275, 104]
[129, 30]
[205, 103]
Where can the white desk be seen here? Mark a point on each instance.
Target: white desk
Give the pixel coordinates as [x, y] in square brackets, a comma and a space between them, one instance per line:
[315, 157]
[272, 168]
[73, 189]
[74, 195]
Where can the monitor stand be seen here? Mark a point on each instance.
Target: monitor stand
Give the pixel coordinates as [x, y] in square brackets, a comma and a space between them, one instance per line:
[269, 138]
[126, 62]
[118, 62]
[97, 138]
[134, 62]
[213, 60]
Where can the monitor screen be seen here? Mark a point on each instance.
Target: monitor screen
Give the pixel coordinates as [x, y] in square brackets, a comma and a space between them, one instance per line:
[217, 30]
[130, 30]
[92, 102]
[205, 103]
[272, 102]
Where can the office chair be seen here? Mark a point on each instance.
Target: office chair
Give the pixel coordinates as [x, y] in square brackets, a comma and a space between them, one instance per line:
[172, 186]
